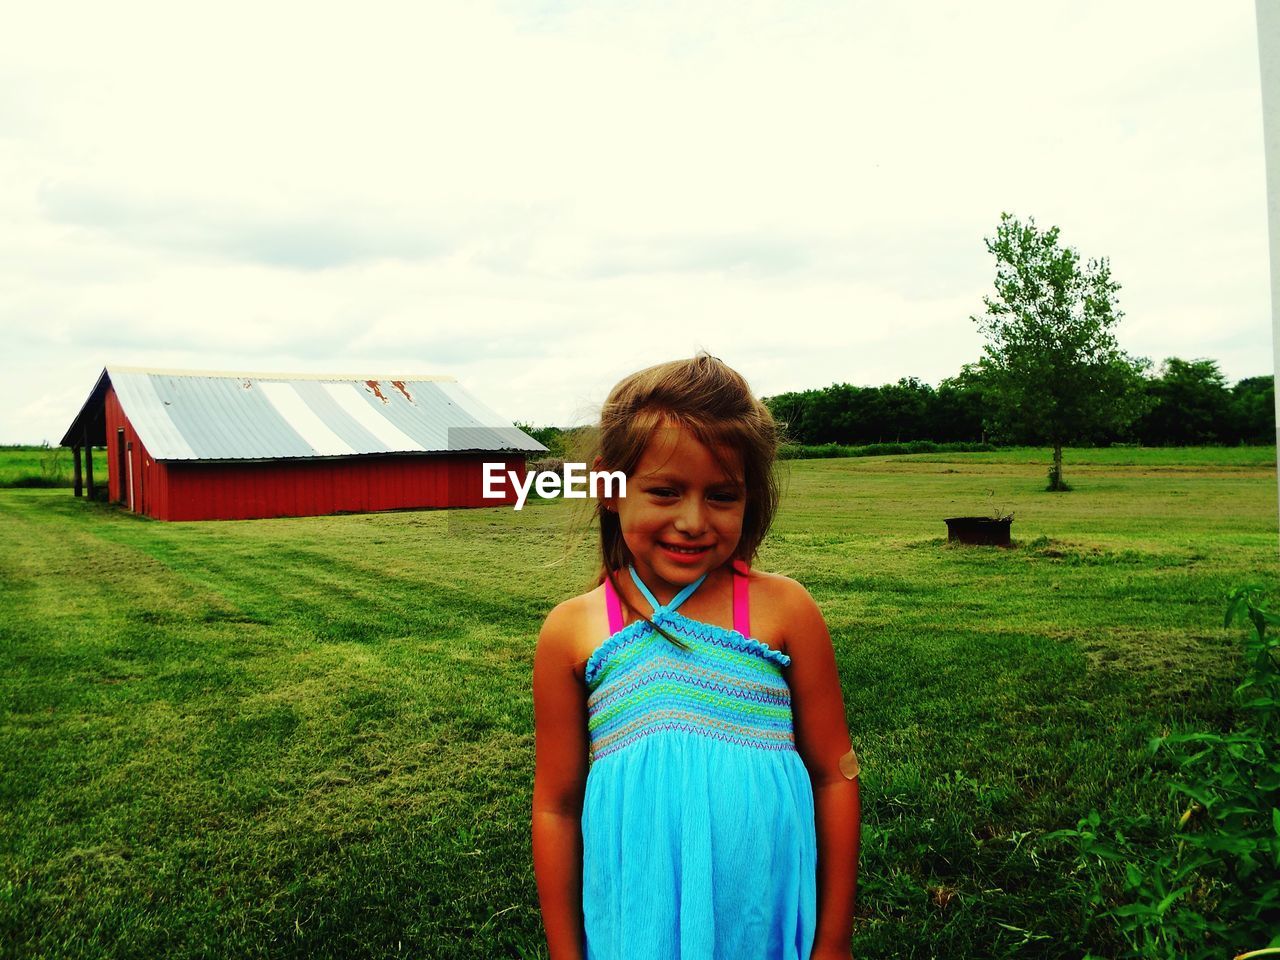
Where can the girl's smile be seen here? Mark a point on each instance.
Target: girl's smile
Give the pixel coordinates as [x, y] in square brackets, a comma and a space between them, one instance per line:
[684, 554]
[682, 516]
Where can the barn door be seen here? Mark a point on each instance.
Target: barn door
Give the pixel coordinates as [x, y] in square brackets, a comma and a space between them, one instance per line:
[122, 495]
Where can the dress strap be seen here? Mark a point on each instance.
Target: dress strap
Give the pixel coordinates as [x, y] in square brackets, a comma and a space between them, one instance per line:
[614, 605]
[741, 599]
[678, 599]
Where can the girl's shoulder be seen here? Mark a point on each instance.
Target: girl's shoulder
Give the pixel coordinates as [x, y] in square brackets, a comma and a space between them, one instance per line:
[574, 628]
[777, 603]
[777, 589]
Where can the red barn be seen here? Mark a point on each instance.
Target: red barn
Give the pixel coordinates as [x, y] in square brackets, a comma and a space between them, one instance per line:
[191, 445]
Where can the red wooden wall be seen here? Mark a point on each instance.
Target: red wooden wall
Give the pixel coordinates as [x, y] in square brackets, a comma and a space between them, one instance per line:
[306, 488]
[245, 490]
[140, 476]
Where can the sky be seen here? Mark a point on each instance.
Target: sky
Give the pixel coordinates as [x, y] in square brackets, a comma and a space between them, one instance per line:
[539, 198]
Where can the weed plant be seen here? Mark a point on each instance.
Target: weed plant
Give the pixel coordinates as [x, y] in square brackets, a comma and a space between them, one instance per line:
[1056, 483]
[1208, 885]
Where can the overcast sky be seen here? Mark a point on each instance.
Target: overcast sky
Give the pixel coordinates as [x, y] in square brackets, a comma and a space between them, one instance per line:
[539, 198]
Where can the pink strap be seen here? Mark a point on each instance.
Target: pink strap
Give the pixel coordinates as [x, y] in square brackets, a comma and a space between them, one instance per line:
[741, 599]
[614, 605]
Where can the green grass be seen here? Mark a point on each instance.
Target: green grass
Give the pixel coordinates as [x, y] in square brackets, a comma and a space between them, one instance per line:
[313, 737]
[29, 466]
[1150, 457]
[821, 451]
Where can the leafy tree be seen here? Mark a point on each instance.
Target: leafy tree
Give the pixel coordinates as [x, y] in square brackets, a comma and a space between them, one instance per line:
[1253, 410]
[1190, 404]
[961, 407]
[788, 409]
[555, 439]
[905, 406]
[1052, 367]
[907, 410]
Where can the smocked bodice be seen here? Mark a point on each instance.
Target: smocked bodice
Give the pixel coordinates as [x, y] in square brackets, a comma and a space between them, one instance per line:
[723, 685]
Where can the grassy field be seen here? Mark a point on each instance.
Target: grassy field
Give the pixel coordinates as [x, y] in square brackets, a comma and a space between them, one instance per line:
[28, 466]
[313, 737]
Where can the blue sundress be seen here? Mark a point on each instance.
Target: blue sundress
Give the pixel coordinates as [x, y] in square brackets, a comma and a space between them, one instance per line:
[697, 825]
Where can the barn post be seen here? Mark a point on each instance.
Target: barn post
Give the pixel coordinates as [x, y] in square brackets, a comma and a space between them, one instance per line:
[88, 462]
[75, 459]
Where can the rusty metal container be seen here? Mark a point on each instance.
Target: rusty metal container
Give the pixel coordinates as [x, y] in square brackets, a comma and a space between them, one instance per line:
[985, 531]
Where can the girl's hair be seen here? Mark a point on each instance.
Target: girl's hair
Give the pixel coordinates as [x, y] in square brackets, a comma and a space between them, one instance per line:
[713, 402]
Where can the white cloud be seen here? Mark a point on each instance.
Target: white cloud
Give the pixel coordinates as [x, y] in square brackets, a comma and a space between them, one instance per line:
[540, 199]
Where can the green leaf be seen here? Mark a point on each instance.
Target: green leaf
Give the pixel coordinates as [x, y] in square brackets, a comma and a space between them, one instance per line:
[1259, 622]
[1131, 910]
[1177, 738]
[1195, 757]
[1134, 875]
[1103, 852]
[1236, 596]
[1275, 819]
[1200, 796]
[1167, 902]
[1237, 811]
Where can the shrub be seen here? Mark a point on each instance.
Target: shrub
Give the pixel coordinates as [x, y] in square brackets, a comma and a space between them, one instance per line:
[1207, 887]
[545, 465]
[32, 480]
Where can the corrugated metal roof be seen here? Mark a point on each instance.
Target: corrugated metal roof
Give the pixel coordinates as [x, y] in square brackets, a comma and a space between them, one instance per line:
[198, 415]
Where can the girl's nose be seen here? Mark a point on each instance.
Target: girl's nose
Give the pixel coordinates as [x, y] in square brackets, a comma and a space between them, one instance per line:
[691, 519]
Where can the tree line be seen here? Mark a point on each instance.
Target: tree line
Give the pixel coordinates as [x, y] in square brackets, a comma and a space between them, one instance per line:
[1051, 372]
[1188, 402]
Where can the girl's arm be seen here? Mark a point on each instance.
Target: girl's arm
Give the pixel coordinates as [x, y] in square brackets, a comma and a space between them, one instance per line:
[822, 738]
[560, 735]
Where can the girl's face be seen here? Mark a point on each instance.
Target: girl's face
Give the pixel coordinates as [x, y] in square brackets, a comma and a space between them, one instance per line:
[682, 515]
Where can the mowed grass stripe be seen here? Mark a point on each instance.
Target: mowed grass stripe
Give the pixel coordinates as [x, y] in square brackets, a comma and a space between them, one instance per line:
[366, 744]
[314, 736]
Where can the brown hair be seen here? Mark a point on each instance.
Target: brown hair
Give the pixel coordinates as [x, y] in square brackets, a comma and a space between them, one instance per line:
[713, 402]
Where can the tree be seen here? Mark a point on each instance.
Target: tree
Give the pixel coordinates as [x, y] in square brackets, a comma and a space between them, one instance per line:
[905, 406]
[1051, 366]
[555, 439]
[1253, 410]
[961, 407]
[1190, 404]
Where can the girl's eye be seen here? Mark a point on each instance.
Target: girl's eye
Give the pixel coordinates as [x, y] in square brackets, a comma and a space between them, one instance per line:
[662, 492]
[724, 497]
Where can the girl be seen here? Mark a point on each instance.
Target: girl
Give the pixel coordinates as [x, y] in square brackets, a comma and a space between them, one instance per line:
[719, 816]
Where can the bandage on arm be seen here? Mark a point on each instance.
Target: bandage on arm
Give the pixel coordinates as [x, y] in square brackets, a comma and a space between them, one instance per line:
[849, 765]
